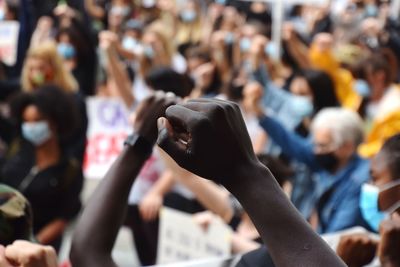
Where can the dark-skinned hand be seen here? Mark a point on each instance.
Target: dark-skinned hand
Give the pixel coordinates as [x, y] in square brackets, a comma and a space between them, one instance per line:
[207, 137]
[149, 110]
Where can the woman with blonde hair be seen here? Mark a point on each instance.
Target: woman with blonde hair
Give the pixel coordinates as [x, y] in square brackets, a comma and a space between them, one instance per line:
[43, 65]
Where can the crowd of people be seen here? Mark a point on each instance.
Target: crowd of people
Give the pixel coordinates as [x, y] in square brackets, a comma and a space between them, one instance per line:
[298, 138]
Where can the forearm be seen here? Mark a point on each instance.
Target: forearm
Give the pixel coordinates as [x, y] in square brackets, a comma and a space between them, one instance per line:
[210, 195]
[299, 52]
[120, 78]
[96, 230]
[164, 184]
[207, 193]
[287, 235]
[95, 11]
[51, 231]
[291, 144]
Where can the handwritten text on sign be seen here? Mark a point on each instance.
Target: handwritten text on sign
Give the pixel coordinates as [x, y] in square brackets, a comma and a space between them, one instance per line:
[181, 239]
[108, 128]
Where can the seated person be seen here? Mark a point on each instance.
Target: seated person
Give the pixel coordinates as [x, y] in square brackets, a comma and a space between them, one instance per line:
[208, 138]
[379, 200]
[332, 157]
[37, 165]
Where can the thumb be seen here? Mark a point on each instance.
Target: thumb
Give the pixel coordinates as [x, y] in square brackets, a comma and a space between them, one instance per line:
[167, 143]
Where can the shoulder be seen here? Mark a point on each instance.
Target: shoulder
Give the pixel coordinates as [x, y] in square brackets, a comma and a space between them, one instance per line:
[360, 174]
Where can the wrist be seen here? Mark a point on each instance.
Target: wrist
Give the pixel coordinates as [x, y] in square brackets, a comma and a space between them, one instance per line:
[139, 144]
[240, 173]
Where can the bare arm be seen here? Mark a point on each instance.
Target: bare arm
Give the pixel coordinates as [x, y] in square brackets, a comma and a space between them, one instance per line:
[218, 147]
[115, 69]
[51, 231]
[94, 10]
[96, 230]
[150, 206]
[210, 195]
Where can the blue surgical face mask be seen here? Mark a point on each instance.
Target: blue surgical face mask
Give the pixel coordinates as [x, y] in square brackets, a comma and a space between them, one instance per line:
[369, 204]
[188, 15]
[229, 38]
[302, 106]
[221, 2]
[129, 43]
[149, 51]
[271, 50]
[245, 44]
[66, 50]
[371, 11]
[36, 132]
[362, 88]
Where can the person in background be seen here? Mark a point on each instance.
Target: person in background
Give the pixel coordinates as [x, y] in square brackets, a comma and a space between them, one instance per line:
[130, 44]
[218, 132]
[44, 66]
[189, 30]
[381, 106]
[77, 55]
[332, 155]
[204, 72]
[119, 12]
[380, 207]
[38, 166]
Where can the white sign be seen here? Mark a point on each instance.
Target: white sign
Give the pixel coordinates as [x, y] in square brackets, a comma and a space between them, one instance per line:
[182, 239]
[108, 128]
[9, 31]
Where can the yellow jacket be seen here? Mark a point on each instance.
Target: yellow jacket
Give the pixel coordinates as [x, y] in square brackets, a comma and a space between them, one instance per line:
[342, 78]
[381, 130]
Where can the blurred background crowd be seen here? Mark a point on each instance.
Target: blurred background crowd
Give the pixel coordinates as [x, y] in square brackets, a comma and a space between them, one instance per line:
[317, 83]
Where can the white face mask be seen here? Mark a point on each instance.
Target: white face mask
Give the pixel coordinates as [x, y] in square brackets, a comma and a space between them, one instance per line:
[36, 132]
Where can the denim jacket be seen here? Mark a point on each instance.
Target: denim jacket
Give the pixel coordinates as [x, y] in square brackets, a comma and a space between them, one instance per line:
[334, 196]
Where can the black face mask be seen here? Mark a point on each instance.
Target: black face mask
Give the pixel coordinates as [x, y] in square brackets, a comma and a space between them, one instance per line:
[328, 161]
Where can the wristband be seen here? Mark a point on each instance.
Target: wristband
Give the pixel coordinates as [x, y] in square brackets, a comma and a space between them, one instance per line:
[139, 143]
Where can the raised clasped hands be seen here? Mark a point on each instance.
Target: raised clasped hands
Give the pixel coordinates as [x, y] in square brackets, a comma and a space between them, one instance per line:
[208, 138]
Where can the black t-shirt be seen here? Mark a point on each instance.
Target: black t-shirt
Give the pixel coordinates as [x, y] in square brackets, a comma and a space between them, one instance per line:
[54, 193]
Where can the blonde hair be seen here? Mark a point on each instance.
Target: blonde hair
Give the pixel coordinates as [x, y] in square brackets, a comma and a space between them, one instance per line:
[169, 50]
[47, 51]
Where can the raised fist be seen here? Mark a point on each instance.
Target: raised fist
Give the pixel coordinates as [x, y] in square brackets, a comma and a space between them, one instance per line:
[208, 138]
[357, 250]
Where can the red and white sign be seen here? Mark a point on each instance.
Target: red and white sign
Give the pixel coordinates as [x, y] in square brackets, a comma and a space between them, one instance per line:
[9, 31]
[108, 128]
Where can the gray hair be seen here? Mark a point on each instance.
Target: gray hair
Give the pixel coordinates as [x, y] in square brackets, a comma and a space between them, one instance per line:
[344, 124]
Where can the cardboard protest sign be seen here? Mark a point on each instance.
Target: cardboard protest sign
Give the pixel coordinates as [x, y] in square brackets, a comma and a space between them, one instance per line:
[182, 239]
[108, 128]
[9, 31]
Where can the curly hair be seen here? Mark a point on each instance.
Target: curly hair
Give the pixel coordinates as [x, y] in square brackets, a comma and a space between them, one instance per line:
[53, 103]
